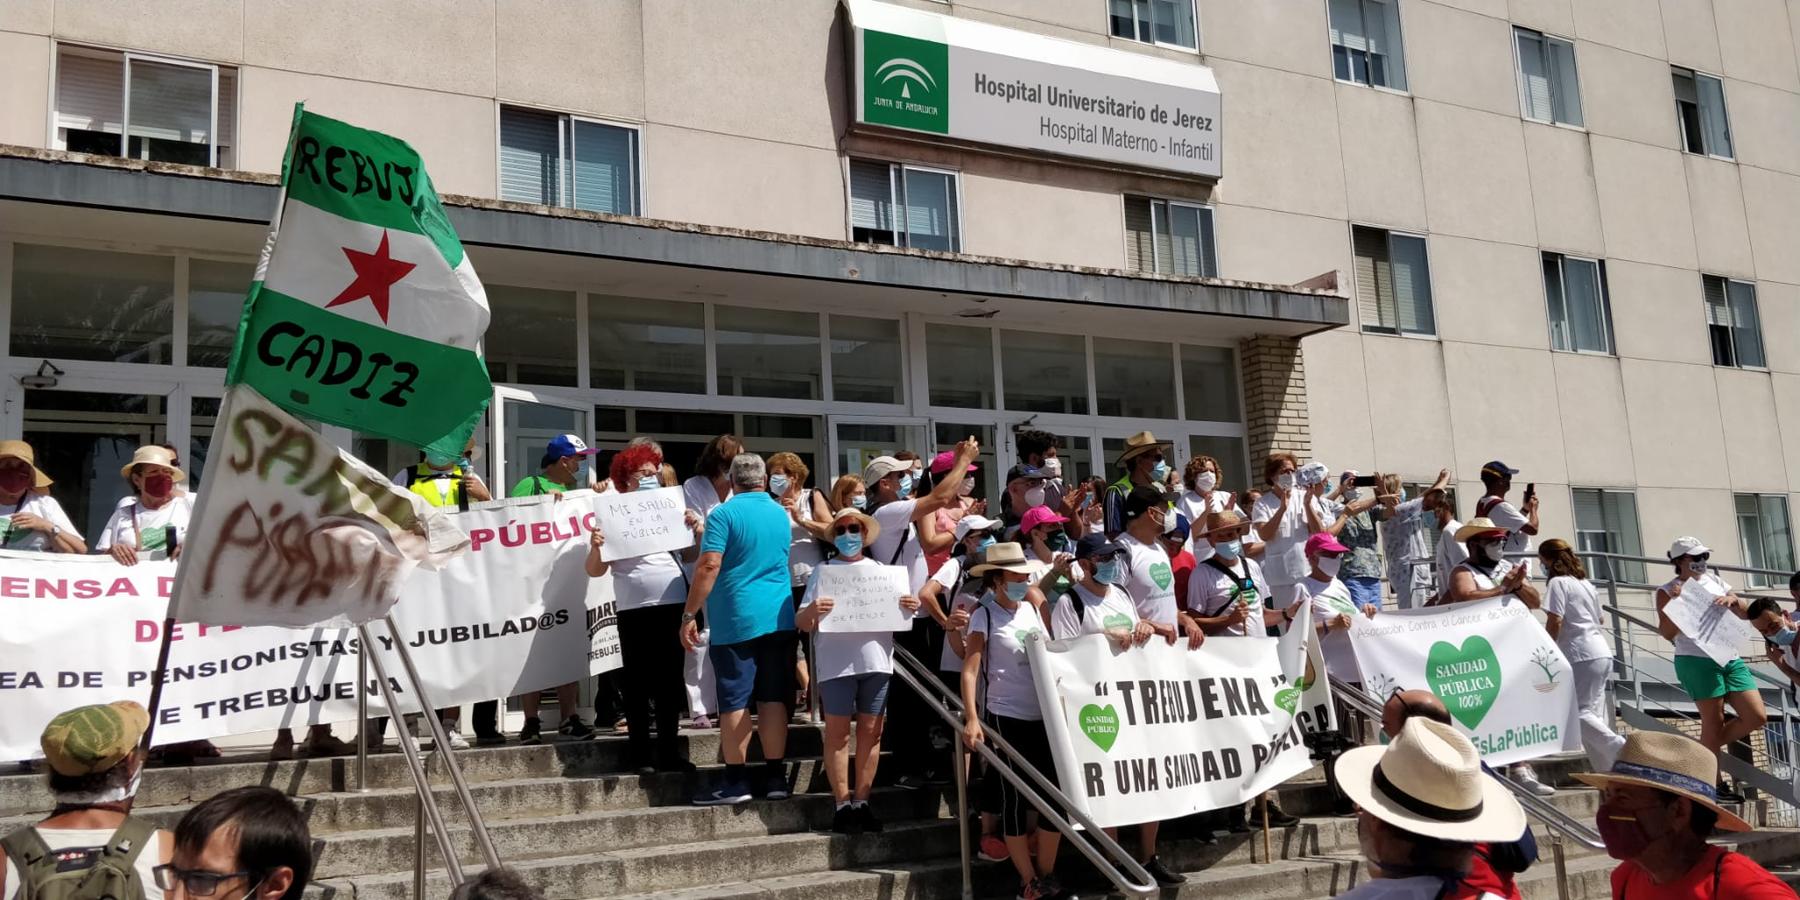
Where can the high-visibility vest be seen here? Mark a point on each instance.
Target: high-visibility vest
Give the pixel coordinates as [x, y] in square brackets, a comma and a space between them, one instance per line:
[439, 488]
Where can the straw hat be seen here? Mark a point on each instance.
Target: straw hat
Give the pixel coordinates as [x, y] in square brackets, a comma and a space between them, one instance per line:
[1429, 781]
[1008, 556]
[150, 454]
[22, 450]
[1140, 443]
[1224, 520]
[1672, 763]
[1476, 527]
[871, 528]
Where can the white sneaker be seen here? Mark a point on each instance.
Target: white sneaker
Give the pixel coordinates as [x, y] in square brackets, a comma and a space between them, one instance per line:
[1526, 777]
[457, 741]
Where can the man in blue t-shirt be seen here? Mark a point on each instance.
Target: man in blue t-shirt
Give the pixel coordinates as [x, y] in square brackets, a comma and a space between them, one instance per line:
[743, 583]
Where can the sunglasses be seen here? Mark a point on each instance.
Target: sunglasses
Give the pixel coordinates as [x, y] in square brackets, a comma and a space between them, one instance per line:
[847, 529]
[196, 882]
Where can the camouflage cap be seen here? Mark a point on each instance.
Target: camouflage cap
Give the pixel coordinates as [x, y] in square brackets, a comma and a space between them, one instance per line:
[90, 739]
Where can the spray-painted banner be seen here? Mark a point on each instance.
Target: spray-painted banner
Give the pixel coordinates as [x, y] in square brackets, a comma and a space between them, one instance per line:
[1156, 732]
[505, 618]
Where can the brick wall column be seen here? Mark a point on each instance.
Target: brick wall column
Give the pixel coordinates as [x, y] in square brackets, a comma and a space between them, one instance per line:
[1274, 373]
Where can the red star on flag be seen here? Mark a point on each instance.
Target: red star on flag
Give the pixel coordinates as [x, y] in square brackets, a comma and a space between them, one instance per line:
[375, 273]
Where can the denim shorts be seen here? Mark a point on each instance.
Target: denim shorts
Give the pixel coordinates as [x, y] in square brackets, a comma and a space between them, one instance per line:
[759, 670]
[849, 695]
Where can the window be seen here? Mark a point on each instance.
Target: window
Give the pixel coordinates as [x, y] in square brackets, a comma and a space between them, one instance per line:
[903, 206]
[1365, 43]
[1765, 536]
[216, 292]
[1044, 372]
[72, 303]
[1700, 109]
[1134, 378]
[1393, 282]
[531, 336]
[1580, 316]
[636, 344]
[959, 363]
[1155, 22]
[1170, 238]
[866, 359]
[767, 353]
[1732, 323]
[1548, 88]
[1209, 383]
[145, 107]
[1607, 522]
[560, 160]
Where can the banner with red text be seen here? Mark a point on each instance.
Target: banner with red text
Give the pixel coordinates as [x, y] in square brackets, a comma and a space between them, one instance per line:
[509, 616]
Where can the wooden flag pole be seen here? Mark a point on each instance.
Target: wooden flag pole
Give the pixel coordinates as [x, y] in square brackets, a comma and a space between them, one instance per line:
[1268, 854]
[156, 674]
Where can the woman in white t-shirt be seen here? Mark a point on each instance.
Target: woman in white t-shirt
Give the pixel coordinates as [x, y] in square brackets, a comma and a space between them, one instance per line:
[1281, 522]
[1710, 685]
[998, 694]
[1202, 498]
[1573, 617]
[31, 519]
[151, 523]
[853, 669]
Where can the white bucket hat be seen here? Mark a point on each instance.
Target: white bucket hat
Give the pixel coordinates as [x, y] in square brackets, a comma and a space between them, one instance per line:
[1429, 781]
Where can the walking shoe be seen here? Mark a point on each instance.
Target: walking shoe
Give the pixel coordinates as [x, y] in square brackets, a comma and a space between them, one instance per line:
[912, 782]
[457, 741]
[1728, 794]
[700, 723]
[727, 794]
[992, 848]
[1162, 874]
[532, 732]
[575, 728]
[775, 787]
[327, 745]
[1032, 890]
[1525, 777]
[1051, 886]
[675, 765]
[1278, 818]
[283, 748]
[870, 822]
[846, 820]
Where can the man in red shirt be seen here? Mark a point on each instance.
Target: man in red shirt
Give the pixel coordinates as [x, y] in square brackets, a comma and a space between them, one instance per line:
[1657, 807]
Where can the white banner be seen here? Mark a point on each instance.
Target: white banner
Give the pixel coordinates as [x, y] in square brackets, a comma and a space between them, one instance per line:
[1157, 732]
[640, 523]
[864, 598]
[1507, 685]
[1304, 665]
[1715, 628]
[503, 619]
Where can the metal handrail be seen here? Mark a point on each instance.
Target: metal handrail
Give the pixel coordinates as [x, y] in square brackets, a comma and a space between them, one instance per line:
[949, 707]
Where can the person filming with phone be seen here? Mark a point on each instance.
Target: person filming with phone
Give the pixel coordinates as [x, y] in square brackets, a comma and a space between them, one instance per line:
[1521, 526]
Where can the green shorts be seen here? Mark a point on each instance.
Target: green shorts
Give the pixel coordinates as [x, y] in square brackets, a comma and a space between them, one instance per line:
[1704, 679]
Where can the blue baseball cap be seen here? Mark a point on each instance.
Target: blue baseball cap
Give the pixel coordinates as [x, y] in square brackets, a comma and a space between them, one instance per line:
[565, 445]
[1499, 468]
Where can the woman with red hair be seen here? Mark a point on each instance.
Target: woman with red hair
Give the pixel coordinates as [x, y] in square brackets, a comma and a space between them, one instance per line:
[649, 592]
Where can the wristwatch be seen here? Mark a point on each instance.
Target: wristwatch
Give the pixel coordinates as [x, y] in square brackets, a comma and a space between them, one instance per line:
[687, 617]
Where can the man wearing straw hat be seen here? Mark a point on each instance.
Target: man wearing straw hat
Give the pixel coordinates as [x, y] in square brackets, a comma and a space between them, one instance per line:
[1141, 464]
[1657, 807]
[1423, 804]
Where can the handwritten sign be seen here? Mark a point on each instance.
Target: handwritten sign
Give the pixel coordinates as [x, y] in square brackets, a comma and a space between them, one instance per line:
[1715, 628]
[864, 598]
[640, 523]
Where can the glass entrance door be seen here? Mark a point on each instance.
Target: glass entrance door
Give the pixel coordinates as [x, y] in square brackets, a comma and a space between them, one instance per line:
[81, 440]
[524, 423]
[855, 440]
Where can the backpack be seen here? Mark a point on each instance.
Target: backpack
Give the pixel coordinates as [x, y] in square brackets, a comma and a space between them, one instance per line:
[86, 873]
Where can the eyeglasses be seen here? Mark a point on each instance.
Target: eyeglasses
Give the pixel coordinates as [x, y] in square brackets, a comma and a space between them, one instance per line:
[847, 529]
[196, 882]
[1701, 557]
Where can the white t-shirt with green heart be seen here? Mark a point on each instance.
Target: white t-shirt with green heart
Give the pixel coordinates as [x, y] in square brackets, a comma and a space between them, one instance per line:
[1331, 599]
[1150, 581]
[1099, 613]
[1004, 665]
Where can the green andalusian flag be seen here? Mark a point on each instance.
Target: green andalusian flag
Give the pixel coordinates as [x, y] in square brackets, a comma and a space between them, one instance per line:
[365, 312]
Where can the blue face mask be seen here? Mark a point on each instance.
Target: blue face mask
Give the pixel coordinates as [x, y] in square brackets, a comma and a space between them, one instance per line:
[1015, 590]
[778, 484]
[440, 462]
[1231, 549]
[986, 542]
[848, 544]
[906, 486]
[649, 483]
[1160, 471]
[1784, 637]
[859, 501]
[1107, 572]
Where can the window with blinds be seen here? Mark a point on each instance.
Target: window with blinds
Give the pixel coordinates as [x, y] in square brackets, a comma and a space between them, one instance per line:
[1733, 327]
[142, 107]
[1393, 282]
[1700, 111]
[1548, 88]
[904, 206]
[1170, 238]
[1580, 312]
[1155, 22]
[1606, 521]
[1765, 535]
[562, 160]
[1365, 43]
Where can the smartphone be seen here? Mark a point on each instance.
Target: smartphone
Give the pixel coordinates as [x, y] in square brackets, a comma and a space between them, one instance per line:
[1530, 490]
[1367, 480]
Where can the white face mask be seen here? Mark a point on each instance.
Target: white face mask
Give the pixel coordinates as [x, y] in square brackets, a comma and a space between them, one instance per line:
[1285, 481]
[1052, 467]
[1493, 552]
[1206, 481]
[1351, 493]
[966, 488]
[1034, 497]
[1330, 565]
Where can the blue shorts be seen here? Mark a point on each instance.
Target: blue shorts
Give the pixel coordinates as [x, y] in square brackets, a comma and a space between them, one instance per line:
[1364, 592]
[759, 670]
[850, 695]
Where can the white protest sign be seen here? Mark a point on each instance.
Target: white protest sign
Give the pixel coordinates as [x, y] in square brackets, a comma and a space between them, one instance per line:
[638, 523]
[864, 598]
[1505, 682]
[1156, 732]
[604, 653]
[1715, 628]
[1304, 666]
[503, 619]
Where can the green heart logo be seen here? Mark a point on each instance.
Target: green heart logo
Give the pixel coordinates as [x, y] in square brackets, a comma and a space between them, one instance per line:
[1100, 724]
[1287, 698]
[1467, 679]
[1160, 573]
[1116, 621]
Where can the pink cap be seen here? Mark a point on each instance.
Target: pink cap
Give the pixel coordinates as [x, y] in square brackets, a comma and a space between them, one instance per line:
[1323, 542]
[941, 462]
[1038, 515]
